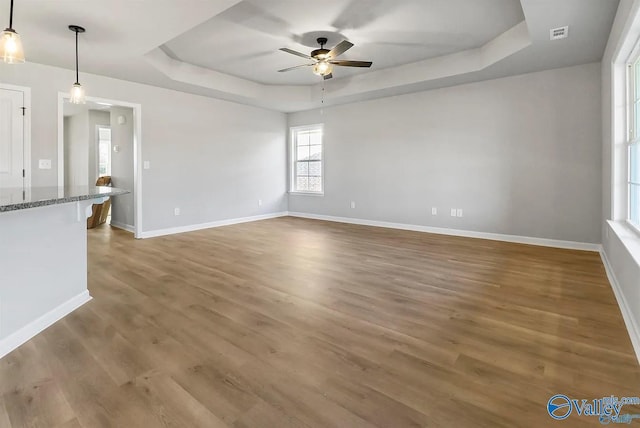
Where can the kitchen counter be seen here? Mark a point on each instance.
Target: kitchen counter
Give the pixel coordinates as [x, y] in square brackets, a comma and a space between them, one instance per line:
[43, 257]
[13, 199]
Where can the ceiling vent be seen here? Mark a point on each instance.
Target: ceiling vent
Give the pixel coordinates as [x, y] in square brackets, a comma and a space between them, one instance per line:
[559, 33]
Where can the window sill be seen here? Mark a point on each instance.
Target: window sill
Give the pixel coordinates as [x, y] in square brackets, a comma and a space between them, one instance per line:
[629, 236]
[306, 193]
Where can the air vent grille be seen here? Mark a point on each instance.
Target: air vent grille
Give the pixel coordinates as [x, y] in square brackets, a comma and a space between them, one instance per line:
[559, 33]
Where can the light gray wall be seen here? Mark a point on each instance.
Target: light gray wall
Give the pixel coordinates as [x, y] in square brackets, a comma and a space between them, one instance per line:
[96, 118]
[122, 165]
[520, 155]
[80, 145]
[76, 149]
[214, 159]
[626, 268]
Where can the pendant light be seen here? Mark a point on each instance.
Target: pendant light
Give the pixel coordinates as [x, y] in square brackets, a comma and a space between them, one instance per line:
[77, 91]
[10, 44]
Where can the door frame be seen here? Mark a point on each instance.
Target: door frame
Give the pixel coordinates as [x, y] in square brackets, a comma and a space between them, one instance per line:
[26, 131]
[137, 151]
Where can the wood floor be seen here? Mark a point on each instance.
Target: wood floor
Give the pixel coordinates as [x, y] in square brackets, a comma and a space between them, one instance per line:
[300, 323]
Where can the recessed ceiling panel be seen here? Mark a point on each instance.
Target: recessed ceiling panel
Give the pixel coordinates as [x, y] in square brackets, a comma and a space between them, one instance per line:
[243, 41]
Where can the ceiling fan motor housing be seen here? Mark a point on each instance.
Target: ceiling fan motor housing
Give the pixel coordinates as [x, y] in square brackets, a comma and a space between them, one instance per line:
[320, 53]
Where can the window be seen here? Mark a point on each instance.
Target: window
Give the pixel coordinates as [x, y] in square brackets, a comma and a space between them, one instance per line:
[104, 151]
[634, 143]
[307, 162]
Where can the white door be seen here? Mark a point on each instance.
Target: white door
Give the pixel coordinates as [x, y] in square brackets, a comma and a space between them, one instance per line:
[11, 138]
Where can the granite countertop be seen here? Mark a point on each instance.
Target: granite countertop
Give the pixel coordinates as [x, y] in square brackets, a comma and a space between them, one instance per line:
[13, 199]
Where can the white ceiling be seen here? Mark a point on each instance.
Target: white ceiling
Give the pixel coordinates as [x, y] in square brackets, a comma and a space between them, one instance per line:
[244, 40]
[229, 48]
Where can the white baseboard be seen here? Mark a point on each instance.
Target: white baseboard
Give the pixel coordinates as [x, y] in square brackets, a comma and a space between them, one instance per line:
[629, 320]
[456, 232]
[123, 226]
[21, 336]
[201, 226]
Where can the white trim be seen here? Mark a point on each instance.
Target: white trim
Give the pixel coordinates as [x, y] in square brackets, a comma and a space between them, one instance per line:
[21, 336]
[26, 137]
[137, 151]
[228, 222]
[61, 97]
[629, 320]
[618, 135]
[634, 228]
[456, 232]
[123, 226]
[292, 193]
[137, 168]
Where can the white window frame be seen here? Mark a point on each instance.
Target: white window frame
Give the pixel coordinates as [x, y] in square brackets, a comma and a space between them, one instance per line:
[631, 139]
[293, 131]
[98, 127]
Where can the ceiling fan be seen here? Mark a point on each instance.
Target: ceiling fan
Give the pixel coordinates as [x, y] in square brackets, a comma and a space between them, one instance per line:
[325, 59]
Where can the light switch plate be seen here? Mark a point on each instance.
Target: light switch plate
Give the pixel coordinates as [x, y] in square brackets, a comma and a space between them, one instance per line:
[44, 163]
[459, 213]
[147, 165]
[434, 211]
[454, 212]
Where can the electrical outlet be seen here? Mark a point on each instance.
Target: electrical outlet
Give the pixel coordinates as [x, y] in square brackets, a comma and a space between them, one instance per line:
[459, 212]
[259, 202]
[44, 163]
[454, 212]
[353, 204]
[176, 211]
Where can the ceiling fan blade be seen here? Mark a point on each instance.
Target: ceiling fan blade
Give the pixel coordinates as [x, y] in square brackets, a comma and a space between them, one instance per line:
[328, 76]
[340, 48]
[293, 68]
[292, 52]
[347, 63]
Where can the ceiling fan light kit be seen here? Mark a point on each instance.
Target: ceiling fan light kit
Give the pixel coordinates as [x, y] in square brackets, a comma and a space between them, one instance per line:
[322, 68]
[11, 49]
[325, 59]
[78, 95]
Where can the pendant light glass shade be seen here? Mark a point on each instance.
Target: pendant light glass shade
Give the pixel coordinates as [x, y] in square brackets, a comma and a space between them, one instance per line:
[77, 94]
[11, 50]
[11, 47]
[322, 68]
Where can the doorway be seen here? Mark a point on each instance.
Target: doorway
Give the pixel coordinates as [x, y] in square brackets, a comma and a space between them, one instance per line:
[15, 147]
[102, 139]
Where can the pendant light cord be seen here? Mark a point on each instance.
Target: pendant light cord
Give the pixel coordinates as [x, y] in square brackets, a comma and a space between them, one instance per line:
[77, 74]
[11, 16]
